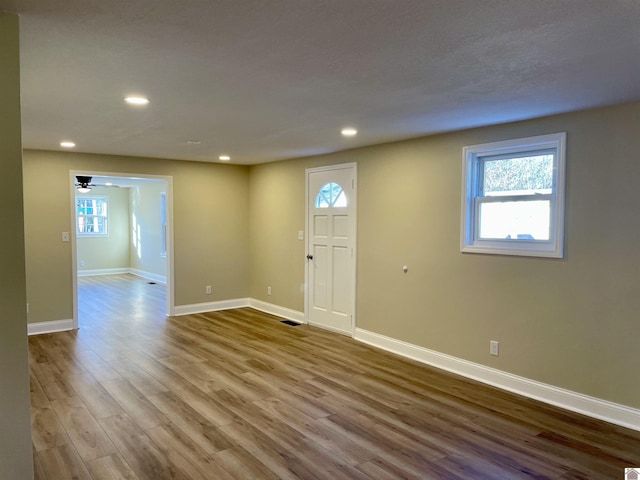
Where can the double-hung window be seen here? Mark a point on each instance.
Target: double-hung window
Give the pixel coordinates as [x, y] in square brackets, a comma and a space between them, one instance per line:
[91, 216]
[513, 197]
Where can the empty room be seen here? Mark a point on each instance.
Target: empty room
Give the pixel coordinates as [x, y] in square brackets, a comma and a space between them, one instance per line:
[292, 239]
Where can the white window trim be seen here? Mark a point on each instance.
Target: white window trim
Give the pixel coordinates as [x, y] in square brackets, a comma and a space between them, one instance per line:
[163, 221]
[554, 248]
[80, 234]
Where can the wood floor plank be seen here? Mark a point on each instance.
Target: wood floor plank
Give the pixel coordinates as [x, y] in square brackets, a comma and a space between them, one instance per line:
[196, 398]
[54, 382]
[46, 430]
[87, 436]
[298, 394]
[197, 374]
[283, 435]
[414, 459]
[60, 463]
[38, 396]
[186, 454]
[287, 439]
[341, 447]
[136, 405]
[140, 379]
[381, 470]
[38, 351]
[237, 394]
[449, 432]
[112, 467]
[204, 433]
[143, 456]
[280, 461]
[97, 367]
[94, 396]
[240, 465]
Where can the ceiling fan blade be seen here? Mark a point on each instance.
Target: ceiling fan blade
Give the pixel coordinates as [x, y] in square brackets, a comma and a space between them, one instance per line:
[83, 179]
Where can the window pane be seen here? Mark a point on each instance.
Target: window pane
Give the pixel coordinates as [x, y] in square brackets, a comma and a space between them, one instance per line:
[331, 195]
[517, 175]
[163, 222]
[341, 200]
[528, 220]
[322, 201]
[92, 215]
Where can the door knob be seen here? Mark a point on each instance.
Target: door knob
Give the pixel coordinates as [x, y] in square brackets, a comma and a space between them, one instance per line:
[309, 257]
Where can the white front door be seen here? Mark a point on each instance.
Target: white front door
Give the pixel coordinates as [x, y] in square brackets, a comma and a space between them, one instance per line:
[331, 232]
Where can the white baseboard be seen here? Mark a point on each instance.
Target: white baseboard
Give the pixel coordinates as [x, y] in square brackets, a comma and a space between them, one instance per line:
[103, 271]
[210, 306]
[594, 407]
[277, 310]
[148, 275]
[119, 271]
[49, 327]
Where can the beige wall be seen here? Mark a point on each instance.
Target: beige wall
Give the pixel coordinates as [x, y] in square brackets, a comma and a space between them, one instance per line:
[16, 460]
[570, 322]
[277, 214]
[210, 225]
[112, 251]
[145, 252]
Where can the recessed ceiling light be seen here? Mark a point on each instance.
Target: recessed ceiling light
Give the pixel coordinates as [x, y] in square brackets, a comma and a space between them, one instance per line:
[349, 132]
[224, 158]
[67, 144]
[194, 142]
[136, 100]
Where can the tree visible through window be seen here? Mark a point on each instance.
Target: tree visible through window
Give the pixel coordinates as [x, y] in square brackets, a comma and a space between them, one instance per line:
[91, 216]
[514, 196]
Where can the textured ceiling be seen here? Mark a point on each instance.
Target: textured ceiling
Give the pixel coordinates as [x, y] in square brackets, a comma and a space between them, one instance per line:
[264, 80]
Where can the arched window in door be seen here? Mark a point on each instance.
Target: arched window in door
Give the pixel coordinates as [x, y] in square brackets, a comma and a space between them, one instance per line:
[331, 195]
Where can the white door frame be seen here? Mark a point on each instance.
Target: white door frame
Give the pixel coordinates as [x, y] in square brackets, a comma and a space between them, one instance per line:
[308, 171]
[74, 254]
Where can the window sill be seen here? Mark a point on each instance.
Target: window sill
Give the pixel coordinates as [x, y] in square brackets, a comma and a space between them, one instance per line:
[515, 250]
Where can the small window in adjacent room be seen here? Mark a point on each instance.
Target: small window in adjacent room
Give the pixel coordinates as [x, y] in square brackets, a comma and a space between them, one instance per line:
[513, 197]
[163, 222]
[91, 216]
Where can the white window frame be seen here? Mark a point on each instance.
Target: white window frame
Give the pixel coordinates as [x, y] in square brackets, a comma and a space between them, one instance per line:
[105, 199]
[163, 226]
[471, 159]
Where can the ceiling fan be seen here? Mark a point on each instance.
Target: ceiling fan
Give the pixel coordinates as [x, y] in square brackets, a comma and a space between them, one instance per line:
[84, 184]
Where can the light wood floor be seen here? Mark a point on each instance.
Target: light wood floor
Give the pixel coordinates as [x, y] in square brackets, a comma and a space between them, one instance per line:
[237, 394]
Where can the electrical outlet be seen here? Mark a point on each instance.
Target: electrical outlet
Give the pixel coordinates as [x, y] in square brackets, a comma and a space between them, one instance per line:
[494, 348]
[207, 289]
[268, 290]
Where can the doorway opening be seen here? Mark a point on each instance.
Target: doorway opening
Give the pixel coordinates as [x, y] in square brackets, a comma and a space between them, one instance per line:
[122, 242]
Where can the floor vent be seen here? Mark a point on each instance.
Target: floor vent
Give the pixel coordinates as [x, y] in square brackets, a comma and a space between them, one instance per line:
[289, 322]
